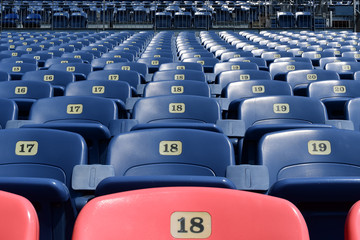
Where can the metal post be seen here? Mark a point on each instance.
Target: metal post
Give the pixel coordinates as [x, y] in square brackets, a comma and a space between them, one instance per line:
[103, 15]
[354, 15]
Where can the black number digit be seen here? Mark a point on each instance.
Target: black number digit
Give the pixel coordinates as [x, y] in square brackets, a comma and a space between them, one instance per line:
[196, 225]
[182, 225]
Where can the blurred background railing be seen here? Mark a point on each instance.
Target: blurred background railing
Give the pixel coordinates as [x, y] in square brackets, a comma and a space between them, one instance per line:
[101, 15]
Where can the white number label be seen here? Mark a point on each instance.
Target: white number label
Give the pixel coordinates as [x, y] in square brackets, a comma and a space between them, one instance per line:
[319, 147]
[179, 77]
[244, 77]
[113, 77]
[48, 78]
[258, 89]
[26, 148]
[172, 148]
[311, 77]
[74, 109]
[109, 61]
[176, 107]
[16, 69]
[235, 67]
[155, 62]
[281, 108]
[339, 89]
[346, 67]
[180, 67]
[195, 225]
[70, 69]
[201, 62]
[126, 68]
[177, 89]
[290, 67]
[98, 89]
[20, 90]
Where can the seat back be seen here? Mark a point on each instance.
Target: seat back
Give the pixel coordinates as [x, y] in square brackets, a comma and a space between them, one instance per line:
[9, 111]
[227, 77]
[131, 77]
[170, 151]
[179, 75]
[183, 108]
[75, 109]
[277, 110]
[255, 88]
[19, 218]
[279, 70]
[176, 88]
[190, 212]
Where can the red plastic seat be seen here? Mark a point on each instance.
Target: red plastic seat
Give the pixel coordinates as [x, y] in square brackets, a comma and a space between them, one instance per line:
[18, 218]
[189, 212]
[352, 229]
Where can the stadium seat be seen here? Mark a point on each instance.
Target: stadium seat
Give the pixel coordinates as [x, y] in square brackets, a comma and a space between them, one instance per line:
[58, 79]
[190, 212]
[37, 164]
[88, 116]
[132, 77]
[99, 63]
[19, 218]
[176, 108]
[279, 70]
[119, 54]
[326, 60]
[25, 93]
[141, 68]
[320, 160]
[173, 87]
[300, 79]
[153, 63]
[208, 63]
[57, 60]
[345, 70]
[60, 20]
[116, 90]
[80, 70]
[179, 75]
[181, 66]
[334, 94]
[17, 70]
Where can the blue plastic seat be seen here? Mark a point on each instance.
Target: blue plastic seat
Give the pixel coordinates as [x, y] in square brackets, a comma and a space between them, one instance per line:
[326, 60]
[182, 20]
[300, 79]
[259, 61]
[153, 63]
[129, 76]
[181, 66]
[163, 19]
[58, 79]
[141, 68]
[279, 70]
[334, 94]
[60, 20]
[345, 70]
[78, 20]
[16, 70]
[255, 88]
[170, 151]
[176, 108]
[83, 55]
[188, 87]
[285, 19]
[179, 75]
[230, 66]
[270, 56]
[119, 54]
[88, 116]
[25, 93]
[226, 77]
[317, 162]
[116, 90]
[36, 166]
[80, 70]
[99, 63]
